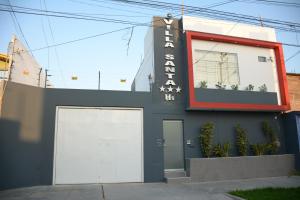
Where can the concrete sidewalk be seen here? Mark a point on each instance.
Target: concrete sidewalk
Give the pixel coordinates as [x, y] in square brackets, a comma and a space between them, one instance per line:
[146, 191]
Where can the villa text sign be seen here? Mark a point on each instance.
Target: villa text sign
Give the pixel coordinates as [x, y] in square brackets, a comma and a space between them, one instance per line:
[170, 87]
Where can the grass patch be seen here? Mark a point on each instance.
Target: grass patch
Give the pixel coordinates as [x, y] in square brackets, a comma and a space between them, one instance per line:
[269, 194]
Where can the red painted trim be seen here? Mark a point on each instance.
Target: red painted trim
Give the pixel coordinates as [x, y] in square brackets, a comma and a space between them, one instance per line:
[193, 104]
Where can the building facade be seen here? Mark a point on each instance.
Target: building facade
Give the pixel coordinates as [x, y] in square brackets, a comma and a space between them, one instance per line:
[201, 70]
[294, 93]
[195, 71]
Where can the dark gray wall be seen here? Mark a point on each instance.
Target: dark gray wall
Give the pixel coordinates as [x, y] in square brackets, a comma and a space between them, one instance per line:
[28, 123]
[235, 96]
[292, 132]
[27, 130]
[21, 139]
[224, 126]
[159, 60]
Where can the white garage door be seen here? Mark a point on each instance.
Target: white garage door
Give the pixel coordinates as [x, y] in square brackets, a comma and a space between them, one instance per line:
[98, 145]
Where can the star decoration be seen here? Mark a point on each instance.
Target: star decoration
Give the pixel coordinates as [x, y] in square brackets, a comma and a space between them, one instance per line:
[178, 89]
[162, 89]
[170, 89]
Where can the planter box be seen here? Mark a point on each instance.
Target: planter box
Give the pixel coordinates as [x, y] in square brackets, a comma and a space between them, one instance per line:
[235, 96]
[230, 168]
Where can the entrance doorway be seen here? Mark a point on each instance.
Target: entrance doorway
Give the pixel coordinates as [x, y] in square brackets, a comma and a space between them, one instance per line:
[173, 145]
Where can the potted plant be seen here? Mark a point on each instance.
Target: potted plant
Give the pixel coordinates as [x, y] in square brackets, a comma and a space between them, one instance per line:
[219, 85]
[250, 87]
[203, 84]
[263, 88]
[234, 87]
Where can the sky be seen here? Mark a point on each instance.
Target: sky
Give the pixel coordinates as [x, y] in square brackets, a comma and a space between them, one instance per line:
[110, 53]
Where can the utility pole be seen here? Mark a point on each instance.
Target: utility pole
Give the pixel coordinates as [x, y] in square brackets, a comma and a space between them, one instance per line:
[39, 79]
[46, 77]
[261, 21]
[99, 77]
[182, 7]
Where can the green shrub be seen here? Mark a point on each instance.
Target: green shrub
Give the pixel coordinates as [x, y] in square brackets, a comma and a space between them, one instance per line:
[221, 151]
[241, 140]
[273, 141]
[206, 137]
[272, 145]
[226, 148]
[259, 149]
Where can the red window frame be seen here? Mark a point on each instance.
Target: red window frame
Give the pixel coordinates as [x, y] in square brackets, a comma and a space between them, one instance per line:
[277, 47]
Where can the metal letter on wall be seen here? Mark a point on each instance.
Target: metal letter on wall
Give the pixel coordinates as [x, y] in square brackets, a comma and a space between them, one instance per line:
[170, 87]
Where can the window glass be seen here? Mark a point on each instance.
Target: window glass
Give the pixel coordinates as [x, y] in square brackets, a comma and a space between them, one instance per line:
[214, 67]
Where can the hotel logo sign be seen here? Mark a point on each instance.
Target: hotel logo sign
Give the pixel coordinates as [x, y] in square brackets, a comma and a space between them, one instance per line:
[170, 88]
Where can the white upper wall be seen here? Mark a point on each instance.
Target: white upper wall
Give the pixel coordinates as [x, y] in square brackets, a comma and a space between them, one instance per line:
[251, 71]
[147, 67]
[228, 28]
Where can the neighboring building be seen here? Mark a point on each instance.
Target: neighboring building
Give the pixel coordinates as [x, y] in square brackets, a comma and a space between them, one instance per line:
[19, 66]
[4, 63]
[194, 71]
[292, 118]
[294, 90]
[22, 66]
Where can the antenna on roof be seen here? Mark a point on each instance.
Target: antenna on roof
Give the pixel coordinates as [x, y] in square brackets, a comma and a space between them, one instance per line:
[261, 21]
[182, 7]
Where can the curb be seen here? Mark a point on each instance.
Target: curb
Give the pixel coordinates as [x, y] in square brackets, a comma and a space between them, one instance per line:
[234, 197]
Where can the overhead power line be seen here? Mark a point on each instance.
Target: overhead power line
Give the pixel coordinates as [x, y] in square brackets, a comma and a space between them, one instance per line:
[292, 56]
[19, 26]
[208, 11]
[286, 26]
[272, 3]
[83, 38]
[163, 5]
[220, 4]
[98, 19]
[134, 24]
[106, 33]
[111, 8]
[55, 50]
[45, 38]
[102, 19]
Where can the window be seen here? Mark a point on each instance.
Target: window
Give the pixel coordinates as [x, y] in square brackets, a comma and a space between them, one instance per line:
[214, 67]
[262, 59]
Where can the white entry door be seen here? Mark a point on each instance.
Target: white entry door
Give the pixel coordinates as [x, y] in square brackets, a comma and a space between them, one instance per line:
[98, 145]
